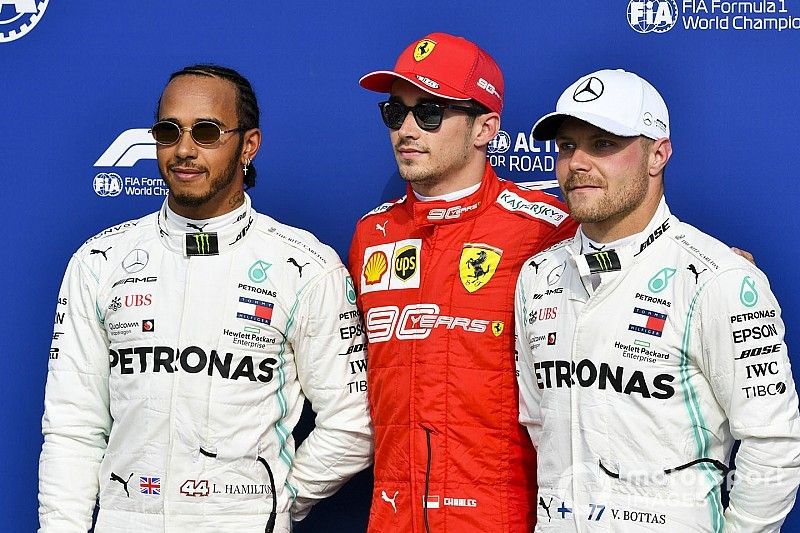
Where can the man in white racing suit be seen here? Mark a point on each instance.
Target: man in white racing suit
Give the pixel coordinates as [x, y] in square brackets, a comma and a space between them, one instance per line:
[186, 342]
[646, 347]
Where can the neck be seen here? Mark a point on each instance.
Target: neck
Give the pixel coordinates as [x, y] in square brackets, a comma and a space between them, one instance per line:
[623, 224]
[211, 208]
[465, 177]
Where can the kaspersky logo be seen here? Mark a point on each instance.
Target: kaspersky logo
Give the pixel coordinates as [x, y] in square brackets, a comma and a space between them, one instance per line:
[202, 244]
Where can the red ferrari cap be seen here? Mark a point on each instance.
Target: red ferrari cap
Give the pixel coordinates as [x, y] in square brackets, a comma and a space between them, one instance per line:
[447, 66]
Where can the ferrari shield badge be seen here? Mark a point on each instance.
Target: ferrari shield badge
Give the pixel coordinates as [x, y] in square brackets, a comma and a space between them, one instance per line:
[478, 264]
[423, 49]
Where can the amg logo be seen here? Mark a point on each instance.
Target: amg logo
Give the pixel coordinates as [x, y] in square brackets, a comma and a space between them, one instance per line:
[149, 279]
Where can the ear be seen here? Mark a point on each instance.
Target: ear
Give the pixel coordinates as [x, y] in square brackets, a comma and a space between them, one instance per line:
[660, 152]
[251, 144]
[486, 127]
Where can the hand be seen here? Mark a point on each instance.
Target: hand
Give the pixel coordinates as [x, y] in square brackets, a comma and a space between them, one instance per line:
[744, 253]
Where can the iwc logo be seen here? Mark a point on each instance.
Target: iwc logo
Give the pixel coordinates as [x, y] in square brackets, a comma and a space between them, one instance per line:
[18, 17]
[646, 16]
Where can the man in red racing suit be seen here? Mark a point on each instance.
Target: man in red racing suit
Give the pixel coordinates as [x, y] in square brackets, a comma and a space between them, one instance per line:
[436, 272]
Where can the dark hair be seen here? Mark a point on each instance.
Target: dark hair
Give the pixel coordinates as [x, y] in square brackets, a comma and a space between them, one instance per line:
[247, 112]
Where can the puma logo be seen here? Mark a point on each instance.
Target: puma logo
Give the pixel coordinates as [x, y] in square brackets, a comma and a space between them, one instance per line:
[385, 497]
[115, 477]
[382, 227]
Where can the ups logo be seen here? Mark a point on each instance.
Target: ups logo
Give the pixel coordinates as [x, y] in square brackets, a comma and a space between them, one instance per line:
[405, 262]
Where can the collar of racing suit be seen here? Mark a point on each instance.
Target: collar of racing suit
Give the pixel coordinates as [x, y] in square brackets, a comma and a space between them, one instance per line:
[229, 228]
[594, 265]
[437, 212]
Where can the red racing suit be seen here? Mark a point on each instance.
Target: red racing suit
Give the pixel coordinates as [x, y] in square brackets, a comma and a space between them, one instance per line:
[436, 288]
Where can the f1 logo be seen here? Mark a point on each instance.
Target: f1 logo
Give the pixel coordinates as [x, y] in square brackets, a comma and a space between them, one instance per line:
[128, 148]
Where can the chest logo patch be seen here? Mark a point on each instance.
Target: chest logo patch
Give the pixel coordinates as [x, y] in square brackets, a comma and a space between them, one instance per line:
[405, 262]
[477, 265]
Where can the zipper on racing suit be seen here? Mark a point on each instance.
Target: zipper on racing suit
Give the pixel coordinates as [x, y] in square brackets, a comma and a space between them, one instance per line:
[428, 432]
[273, 515]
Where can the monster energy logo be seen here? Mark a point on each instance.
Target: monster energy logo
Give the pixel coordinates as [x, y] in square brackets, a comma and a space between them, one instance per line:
[202, 244]
[604, 261]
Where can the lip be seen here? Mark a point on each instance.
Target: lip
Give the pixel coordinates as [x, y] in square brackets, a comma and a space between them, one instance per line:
[186, 173]
[409, 153]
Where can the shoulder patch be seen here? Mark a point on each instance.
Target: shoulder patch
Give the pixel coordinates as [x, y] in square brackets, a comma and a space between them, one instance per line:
[385, 207]
[689, 241]
[541, 210]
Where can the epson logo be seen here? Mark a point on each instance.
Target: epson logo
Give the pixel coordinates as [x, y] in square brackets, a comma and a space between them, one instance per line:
[754, 333]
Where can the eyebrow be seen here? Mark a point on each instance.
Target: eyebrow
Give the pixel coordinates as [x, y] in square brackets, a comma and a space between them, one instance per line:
[198, 119]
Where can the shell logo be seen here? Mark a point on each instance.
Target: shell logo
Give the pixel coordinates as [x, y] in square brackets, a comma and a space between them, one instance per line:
[375, 267]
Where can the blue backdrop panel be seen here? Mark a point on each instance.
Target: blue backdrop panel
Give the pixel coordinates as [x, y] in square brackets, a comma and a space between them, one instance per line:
[88, 74]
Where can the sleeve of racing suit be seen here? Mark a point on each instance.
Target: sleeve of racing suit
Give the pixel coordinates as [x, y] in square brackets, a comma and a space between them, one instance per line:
[76, 421]
[529, 394]
[330, 350]
[747, 364]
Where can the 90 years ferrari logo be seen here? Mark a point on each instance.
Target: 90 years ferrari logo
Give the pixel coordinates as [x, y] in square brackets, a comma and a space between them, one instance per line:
[423, 49]
[477, 265]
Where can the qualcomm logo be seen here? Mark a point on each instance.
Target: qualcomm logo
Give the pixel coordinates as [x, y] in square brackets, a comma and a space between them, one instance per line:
[128, 148]
[18, 20]
[658, 16]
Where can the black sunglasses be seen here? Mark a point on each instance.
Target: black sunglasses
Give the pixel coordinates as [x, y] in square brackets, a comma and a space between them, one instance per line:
[204, 132]
[427, 114]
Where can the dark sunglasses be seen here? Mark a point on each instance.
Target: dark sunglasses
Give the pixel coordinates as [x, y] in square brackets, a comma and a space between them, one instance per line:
[427, 114]
[204, 132]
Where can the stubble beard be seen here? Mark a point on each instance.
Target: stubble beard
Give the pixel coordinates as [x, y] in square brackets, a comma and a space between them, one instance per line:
[435, 172]
[216, 185]
[608, 207]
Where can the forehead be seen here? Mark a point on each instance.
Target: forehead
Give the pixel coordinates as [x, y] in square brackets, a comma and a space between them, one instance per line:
[188, 98]
[573, 127]
[410, 93]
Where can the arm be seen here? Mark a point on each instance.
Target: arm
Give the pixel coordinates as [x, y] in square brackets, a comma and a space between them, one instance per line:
[330, 350]
[747, 364]
[76, 420]
[529, 393]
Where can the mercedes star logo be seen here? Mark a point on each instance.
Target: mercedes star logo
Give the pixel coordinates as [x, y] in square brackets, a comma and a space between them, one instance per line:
[135, 261]
[588, 90]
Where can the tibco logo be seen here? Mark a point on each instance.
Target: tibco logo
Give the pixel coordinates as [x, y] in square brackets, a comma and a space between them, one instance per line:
[16, 22]
[415, 322]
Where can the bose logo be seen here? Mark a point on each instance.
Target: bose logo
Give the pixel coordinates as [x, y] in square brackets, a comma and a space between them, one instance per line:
[128, 148]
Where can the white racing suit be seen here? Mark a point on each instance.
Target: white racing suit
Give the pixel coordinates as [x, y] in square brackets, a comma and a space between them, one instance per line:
[638, 367]
[181, 355]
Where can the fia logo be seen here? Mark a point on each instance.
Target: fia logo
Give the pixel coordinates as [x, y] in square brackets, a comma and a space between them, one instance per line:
[18, 17]
[658, 16]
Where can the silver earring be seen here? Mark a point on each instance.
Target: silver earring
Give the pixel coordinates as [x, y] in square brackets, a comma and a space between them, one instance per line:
[246, 164]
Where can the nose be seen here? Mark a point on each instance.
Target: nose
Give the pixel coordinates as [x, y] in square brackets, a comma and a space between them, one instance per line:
[409, 128]
[579, 161]
[186, 147]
